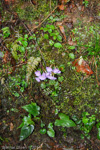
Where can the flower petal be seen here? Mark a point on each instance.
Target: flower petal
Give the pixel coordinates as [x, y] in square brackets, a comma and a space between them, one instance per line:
[49, 69]
[48, 74]
[43, 76]
[37, 73]
[37, 79]
[51, 77]
[56, 71]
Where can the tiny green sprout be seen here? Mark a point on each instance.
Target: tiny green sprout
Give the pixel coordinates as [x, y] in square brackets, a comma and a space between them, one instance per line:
[86, 3]
[71, 55]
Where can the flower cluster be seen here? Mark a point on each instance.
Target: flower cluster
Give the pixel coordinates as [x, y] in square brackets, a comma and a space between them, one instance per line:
[47, 74]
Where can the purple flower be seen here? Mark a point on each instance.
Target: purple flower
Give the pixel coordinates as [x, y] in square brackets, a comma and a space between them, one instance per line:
[48, 74]
[43, 76]
[51, 77]
[37, 79]
[56, 71]
[37, 73]
[49, 69]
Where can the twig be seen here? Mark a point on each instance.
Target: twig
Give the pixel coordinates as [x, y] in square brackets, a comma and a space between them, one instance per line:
[9, 91]
[20, 92]
[96, 74]
[50, 4]
[45, 19]
[36, 42]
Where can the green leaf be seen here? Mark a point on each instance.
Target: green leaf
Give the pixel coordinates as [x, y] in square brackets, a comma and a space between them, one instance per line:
[31, 37]
[98, 135]
[20, 39]
[51, 42]
[24, 43]
[16, 94]
[21, 49]
[64, 121]
[54, 37]
[51, 133]
[45, 29]
[43, 131]
[71, 47]
[48, 25]
[26, 36]
[50, 30]
[54, 93]
[43, 85]
[5, 29]
[14, 50]
[58, 45]
[59, 38]
[60, 79]
[52, 27]
[52, 82]
[98, 125]
[46, 36]
[42, 124]
[32, 109]
[41, 28]
[26, 131]
[71, 55]
[27, 120]
[85, 120]
[62, 67]
[50, 125]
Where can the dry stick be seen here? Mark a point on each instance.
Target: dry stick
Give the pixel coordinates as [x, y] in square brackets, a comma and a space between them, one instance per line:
[9, 91]
[36, 42]
[20, 92]
[96, 74]
[45, 18]
[50, 4]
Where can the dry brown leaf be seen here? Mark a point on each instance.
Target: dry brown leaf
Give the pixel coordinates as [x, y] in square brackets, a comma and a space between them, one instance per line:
[70, 42]
[6, 57]
[64, 1]
[9, 1]
[11, 126]
[61, 7]
[82, 66]
[33, 2]
[62, 31]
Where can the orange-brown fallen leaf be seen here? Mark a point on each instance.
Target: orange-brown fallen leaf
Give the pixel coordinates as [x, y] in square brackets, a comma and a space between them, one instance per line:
[63, 1]
[61, 7]
[33, 2]
[9, 1]
[11, 126]
[82, 66]
[6, 57]
[62, 31]
[71, 42]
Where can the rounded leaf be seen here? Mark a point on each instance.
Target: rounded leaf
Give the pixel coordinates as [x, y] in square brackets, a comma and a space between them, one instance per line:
[71, 55]
[51, 133]
[32, 109]
[43, 131]
[98, 135]
[26, 131]
[58, 45]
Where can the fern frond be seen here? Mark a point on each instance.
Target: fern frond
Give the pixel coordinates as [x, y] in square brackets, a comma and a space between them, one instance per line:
[31, 65]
